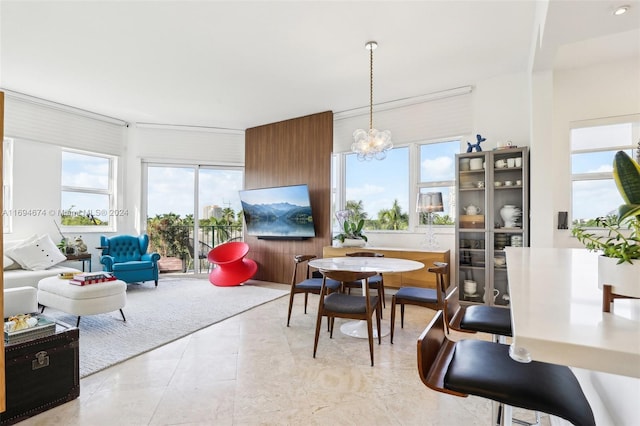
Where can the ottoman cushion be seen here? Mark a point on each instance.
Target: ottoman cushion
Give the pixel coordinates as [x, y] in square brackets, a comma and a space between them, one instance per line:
[90, 299]
[91, 291]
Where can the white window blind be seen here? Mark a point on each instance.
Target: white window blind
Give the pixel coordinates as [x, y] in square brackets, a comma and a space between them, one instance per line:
[429, 119]
[63, 126]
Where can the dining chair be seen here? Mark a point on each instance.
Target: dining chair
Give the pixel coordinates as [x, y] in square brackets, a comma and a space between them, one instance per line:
[432, 298]
[308, 283]
[485, 369]
[376, 282]
[342, 305]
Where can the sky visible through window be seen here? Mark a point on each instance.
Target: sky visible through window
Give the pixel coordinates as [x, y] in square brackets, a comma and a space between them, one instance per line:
[171, 190]
[597, 196]
[85, 172]
[379, 182]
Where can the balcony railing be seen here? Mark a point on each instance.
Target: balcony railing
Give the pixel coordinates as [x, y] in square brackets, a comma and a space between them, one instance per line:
[178, 242]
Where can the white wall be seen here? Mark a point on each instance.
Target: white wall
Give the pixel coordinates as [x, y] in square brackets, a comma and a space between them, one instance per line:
[604, 90]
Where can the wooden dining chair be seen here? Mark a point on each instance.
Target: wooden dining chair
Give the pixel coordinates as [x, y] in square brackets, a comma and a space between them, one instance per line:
[340, 305]
[431, 298]
[376, 282]
[307, 284]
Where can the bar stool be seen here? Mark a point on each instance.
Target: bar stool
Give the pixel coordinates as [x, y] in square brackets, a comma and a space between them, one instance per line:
[477, 318]
[485, 369]
[484, 319]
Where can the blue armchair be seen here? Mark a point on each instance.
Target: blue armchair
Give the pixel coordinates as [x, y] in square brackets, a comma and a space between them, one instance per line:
[126, 256]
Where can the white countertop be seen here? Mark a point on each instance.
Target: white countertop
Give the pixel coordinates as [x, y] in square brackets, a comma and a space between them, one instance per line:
[556, 309]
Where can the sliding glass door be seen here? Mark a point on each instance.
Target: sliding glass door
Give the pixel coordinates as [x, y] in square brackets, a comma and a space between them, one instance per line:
[189, 210]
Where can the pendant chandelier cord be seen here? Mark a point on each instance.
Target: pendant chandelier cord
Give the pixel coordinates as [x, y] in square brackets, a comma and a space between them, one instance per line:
[371, 88]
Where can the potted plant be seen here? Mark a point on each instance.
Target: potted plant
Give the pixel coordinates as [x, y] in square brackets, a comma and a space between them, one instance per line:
[352, 235]
[619, 264]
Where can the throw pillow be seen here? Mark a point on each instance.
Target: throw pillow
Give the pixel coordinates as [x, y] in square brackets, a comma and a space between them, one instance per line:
[39, 255]
[7, 262]
[12, 254]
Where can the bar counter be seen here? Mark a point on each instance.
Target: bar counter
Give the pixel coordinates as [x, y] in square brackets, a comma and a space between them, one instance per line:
[556, 309]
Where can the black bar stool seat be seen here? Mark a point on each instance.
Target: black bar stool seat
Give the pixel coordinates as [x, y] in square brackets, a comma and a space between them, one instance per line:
[485, 369]
[487, 319]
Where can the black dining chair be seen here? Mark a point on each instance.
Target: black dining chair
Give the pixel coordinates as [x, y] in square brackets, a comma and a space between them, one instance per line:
[376, 282]
[340, 305]
[431, 298]
[307, 284]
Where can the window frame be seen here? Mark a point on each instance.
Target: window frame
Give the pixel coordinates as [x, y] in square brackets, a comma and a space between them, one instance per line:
[634, 119]
[414, 185]
[436, 184]
[110, 191]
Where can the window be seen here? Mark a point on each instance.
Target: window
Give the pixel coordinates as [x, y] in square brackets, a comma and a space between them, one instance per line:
[437, 174]
[88, 196]
[378, 191]
[384, 192]
[593, 146]
[7, 184]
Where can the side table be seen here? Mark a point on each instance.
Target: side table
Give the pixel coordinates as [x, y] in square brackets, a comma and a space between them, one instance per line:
[41, 373]
[83, 257]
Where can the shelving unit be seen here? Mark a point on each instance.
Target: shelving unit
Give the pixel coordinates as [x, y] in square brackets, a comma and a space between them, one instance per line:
[489, 181]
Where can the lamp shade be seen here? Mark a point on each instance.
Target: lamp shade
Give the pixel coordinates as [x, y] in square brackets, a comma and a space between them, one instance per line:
[429, 202]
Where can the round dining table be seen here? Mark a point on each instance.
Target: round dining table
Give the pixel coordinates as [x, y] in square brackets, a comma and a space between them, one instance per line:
[380, 265]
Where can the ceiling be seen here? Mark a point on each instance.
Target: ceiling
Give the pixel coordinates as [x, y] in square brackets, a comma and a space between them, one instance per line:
[240, 64]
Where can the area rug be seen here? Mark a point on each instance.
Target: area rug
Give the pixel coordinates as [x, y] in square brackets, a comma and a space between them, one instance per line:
[159, 315]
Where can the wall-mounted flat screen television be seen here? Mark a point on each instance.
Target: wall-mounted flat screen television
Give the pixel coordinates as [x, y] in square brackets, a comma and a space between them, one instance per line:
[282, 212]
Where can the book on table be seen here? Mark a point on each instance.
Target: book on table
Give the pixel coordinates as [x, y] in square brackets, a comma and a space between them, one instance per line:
[91, 278]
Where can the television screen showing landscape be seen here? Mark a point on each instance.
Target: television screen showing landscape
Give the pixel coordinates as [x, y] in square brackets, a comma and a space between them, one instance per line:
[279, 212]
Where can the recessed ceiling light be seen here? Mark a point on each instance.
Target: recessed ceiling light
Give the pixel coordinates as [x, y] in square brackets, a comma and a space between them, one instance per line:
[621, 10]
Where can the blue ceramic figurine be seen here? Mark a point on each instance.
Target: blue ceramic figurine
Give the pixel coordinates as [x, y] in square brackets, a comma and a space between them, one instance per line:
[476, 145]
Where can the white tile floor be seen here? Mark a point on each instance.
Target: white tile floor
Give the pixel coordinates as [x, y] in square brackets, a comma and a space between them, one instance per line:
[254, 370]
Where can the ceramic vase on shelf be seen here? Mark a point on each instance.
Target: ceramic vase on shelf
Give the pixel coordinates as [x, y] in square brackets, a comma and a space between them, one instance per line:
[510, 215]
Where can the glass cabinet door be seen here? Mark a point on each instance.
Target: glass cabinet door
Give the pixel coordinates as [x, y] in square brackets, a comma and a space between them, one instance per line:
[493, 214]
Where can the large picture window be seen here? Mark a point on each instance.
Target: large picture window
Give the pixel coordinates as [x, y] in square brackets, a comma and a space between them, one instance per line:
[88, 198]
[593, 146]
[378, 191]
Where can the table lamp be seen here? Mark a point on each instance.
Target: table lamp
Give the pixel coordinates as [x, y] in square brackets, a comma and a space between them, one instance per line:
[429, 203]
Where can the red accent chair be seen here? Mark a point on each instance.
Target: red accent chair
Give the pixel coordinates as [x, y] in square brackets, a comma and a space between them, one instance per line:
[230, 266]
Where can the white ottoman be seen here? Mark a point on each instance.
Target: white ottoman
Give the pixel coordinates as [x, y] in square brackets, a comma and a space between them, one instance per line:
[77, 300]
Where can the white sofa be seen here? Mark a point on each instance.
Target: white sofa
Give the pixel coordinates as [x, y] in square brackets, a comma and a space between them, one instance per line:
[19, 279]
[20, 300]
[18, 274]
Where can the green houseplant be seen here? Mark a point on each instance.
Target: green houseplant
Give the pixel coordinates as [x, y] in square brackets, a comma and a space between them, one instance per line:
[622, 238]
[351, 230]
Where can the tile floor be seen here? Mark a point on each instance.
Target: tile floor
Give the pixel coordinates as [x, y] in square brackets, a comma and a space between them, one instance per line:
[252, 369]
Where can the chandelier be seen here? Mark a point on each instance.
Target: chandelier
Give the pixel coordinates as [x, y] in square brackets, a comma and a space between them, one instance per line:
[373, 143]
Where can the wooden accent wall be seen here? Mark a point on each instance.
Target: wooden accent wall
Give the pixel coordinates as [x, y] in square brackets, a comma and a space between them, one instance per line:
[291, 152]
